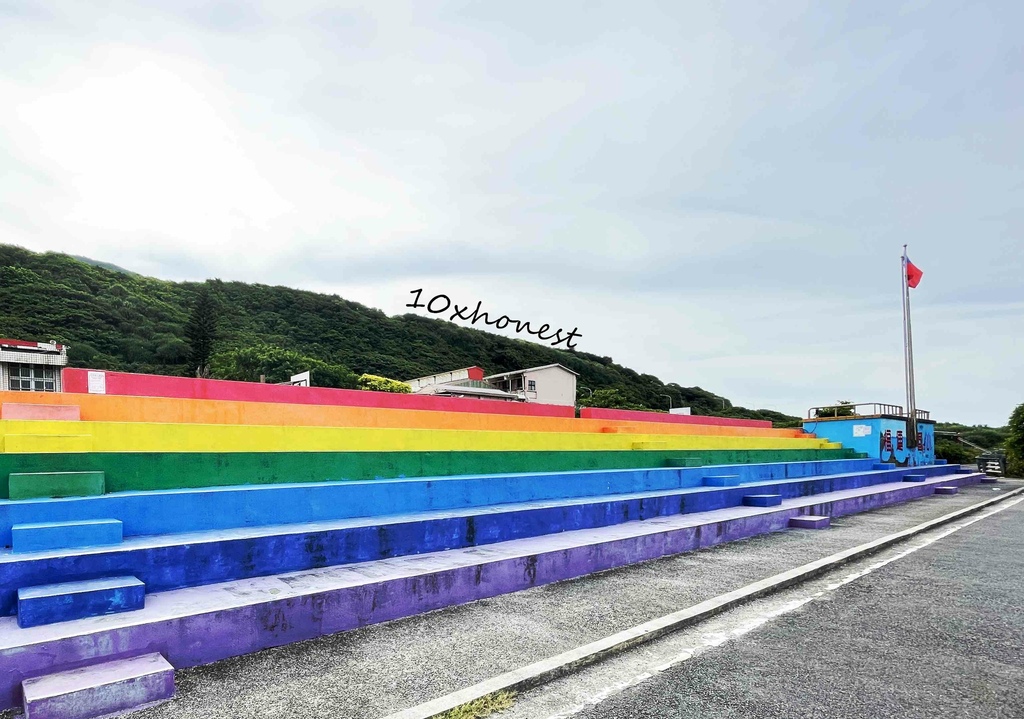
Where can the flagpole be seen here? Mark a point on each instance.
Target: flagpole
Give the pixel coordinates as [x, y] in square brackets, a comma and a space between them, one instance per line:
[903, 296]
[908, 350]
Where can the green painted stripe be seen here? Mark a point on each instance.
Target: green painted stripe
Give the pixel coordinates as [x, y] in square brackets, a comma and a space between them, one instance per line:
[29, 485]
[173, 470]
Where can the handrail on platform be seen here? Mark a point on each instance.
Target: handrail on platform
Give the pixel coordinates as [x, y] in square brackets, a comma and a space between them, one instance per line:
[850, 410]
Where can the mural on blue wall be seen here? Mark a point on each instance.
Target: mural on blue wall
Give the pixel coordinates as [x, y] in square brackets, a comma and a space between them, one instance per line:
[892, 445]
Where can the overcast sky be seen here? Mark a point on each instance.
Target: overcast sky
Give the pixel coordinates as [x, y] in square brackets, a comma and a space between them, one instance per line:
[715, 195]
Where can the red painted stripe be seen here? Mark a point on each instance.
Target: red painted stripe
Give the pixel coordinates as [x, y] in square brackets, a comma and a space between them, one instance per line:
[634, 416]
[146, 385]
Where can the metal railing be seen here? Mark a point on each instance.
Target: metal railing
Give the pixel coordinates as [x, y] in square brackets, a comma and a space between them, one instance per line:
[851, 410]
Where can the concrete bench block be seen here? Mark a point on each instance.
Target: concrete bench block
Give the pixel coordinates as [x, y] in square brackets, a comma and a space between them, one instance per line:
[18, 410]
[810, 521]
[51, 603]
[762, 500]
[721, 480]
[914, 477]
[883, 466]
[684, 462]
[941, 461]
[988, 479]
[31, 485]
[947, 490]
[99, 690]
[65, 535]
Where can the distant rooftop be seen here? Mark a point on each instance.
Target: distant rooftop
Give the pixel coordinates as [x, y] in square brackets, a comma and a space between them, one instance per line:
[40, 346]
[531, 369]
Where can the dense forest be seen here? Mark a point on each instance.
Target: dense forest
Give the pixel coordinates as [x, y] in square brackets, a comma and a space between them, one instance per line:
[119, 320]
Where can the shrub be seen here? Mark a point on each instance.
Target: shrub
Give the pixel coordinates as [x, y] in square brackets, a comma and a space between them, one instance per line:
[954, 452]
[375, 383]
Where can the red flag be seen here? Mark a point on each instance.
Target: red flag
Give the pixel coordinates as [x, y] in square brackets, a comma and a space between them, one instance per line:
[914, 274]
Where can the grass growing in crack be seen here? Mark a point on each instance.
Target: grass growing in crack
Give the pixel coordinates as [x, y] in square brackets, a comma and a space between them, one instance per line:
[482, 707]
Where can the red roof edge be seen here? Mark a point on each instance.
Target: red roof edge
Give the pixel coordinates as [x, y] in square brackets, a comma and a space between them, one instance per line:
[23, 343]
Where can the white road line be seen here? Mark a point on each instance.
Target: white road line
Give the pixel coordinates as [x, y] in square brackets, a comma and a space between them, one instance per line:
[717, 639]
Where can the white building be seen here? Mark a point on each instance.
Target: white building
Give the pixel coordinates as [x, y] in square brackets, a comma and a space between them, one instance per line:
[547, 384]
[31, 366]
[466, 382]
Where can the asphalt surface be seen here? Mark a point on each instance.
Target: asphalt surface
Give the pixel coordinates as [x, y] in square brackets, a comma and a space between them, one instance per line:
[372, 672]
[937, 633]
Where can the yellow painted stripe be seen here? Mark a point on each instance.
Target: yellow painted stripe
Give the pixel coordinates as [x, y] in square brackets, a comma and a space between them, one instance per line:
[152, 437]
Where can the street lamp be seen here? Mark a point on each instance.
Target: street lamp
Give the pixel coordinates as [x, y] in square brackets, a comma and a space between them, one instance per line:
[669, 402]
[591, 395]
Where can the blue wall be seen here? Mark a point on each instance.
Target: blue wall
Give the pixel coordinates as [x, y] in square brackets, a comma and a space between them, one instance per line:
[868, 434]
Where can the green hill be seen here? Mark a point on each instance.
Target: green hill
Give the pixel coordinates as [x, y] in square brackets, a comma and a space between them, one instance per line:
[118, 320]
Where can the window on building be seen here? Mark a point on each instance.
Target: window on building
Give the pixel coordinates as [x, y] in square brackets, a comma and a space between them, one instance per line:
[531, 385]
[33, 378]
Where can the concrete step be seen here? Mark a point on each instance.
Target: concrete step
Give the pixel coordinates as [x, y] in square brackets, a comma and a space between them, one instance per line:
[176, 560]
[721, 480]
[204, 624]
[46, 536]
[99, 690]
[64, 601]
[810, 521]
[947, 490]
[762, 500]
[39, 485]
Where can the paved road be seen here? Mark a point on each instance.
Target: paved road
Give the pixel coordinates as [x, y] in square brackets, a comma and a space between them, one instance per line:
[938, 633]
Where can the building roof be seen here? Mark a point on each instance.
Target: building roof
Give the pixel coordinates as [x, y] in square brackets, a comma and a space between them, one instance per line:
[451, 371]
[43, 346]
[469, 389]
[531, 369]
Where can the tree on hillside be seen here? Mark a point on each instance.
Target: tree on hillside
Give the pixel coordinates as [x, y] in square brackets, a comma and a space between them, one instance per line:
[276, 364]
[608, 399]
[954, 452]
[201, 331]
[1015, 443]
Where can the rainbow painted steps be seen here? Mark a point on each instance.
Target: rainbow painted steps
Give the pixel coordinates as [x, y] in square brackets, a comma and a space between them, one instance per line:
[444, 518]
[202, 624]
